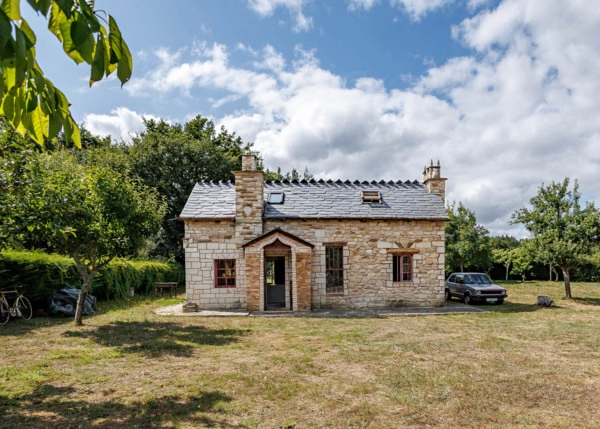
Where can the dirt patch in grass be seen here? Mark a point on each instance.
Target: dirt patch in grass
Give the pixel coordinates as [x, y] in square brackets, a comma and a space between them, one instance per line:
[517, 366]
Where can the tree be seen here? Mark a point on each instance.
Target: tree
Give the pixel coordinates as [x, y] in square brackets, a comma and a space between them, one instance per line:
[92, 214]
[523, 258]
[172, 158]
[503, 251]
[563, 231]
[273, 176]
[30, 102]
[467, 243]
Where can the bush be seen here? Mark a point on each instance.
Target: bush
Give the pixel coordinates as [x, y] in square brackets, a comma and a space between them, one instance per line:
[42, 273]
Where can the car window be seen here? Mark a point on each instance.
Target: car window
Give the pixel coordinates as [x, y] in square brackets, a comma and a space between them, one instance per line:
[452, 278]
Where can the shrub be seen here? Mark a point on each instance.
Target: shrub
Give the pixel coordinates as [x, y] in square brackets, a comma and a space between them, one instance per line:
[42, 273]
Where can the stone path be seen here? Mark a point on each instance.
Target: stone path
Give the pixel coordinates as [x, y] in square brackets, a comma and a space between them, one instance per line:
[452, 307]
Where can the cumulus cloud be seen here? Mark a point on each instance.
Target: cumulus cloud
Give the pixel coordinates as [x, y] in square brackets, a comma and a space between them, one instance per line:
[267, 8]
[416, 9]
[519, 111]
[122, 125]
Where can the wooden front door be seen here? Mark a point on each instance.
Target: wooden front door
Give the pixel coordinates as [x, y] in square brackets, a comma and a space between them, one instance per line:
[274, 282]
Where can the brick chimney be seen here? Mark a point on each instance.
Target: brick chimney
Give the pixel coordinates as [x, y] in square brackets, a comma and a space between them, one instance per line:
[248, 200]
[433, 180]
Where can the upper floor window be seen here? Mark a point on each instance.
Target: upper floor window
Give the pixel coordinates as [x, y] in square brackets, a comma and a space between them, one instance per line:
[402, 268]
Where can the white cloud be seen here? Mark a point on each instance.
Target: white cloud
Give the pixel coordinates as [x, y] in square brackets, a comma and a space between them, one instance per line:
[522, 109]
[364, 4]
[419, 8]
[267, 8]
[122, 125]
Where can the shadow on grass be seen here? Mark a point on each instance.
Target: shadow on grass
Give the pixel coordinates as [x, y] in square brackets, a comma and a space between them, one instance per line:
[157, 338]
[587, 301]
[63, 407]
[515, 307]
[18, 327]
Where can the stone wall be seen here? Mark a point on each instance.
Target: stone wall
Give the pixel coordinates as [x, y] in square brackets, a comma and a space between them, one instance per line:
[369, 247]
[205, 241]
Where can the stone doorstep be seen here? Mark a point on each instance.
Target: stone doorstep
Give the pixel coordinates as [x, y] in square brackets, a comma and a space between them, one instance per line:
[453, 308]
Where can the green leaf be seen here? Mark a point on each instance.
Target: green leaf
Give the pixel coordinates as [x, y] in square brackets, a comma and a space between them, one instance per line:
[87, 11]
[5, 29]
[41, 5]
[28, 32]
[115, 40]
[98, 63]
[39, 126]
[31, 101]
[20, 57]
[9, 76]
[12, 9]
[82, 38]
[125, 65]
[68, 44]
[56, 16]
[66, 6]
[55, 124]
[108, 66]
[8, 106]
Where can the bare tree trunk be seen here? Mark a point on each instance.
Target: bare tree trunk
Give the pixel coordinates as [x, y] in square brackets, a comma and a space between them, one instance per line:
[507, 270]
[81, 300]
[86, 282]
[553, 270]
[567, 277]
[461, 267]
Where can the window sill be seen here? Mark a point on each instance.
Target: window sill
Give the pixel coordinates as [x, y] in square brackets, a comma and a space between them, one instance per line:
[334, 293]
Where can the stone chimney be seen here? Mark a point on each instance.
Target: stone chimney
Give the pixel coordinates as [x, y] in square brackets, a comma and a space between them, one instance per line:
[433, 180]
[248, 200]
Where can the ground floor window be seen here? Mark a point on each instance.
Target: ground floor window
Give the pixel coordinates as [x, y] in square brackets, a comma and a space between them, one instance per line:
[334, 261]
[402, 268]
[224, 272]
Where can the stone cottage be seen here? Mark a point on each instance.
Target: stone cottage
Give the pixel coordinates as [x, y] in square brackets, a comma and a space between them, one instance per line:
[301, 245]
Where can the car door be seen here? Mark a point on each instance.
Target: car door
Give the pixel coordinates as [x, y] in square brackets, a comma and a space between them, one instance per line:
[452, 285]
[460, 285]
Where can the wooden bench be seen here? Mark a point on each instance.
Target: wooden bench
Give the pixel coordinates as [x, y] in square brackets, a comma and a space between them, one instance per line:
[172, 286]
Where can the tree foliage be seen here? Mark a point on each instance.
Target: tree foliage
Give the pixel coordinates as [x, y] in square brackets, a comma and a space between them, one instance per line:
[563, 231]
[504, 251]
[467, 242]
[172, 158]
[290, 175]
[92, 214]
[28, 100]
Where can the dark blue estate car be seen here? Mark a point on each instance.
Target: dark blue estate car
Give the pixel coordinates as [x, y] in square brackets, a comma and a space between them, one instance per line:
[474, 287]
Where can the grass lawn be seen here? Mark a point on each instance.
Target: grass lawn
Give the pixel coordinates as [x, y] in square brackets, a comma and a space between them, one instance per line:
[517, 366]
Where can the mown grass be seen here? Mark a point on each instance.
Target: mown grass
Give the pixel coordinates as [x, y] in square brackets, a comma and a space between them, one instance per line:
[516, 366]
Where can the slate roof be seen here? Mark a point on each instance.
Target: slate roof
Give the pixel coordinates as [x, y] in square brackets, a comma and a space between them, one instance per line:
[321, 200]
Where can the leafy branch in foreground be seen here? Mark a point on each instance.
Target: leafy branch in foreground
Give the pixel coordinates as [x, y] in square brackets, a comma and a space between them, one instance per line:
[28, 100]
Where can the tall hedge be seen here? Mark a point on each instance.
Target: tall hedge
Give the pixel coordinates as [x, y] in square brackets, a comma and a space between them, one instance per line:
[42, 273]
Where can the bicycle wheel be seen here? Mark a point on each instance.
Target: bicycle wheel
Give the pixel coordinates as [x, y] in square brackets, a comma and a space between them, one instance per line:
[24, 307]
[4, 313]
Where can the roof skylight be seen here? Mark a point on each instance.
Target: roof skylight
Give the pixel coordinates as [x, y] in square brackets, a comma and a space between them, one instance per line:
[275, 198]
[371, 197]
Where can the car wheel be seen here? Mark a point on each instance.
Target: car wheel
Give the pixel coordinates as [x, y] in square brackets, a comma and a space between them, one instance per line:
[448, 295]
[500, 301]
[467, 298]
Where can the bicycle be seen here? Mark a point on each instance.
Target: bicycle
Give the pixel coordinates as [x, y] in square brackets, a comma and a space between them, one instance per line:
[21, 307]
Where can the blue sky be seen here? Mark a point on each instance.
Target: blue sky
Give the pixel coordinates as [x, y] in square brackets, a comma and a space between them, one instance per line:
[505, 93]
